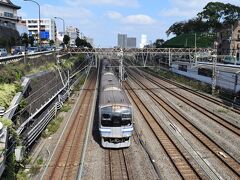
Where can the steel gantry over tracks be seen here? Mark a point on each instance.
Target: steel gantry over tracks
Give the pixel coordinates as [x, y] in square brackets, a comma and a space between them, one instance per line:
[139, 50]
[146, 54]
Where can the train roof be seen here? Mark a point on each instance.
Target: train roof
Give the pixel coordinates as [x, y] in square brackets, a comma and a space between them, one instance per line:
[113, 96]
[110, 90]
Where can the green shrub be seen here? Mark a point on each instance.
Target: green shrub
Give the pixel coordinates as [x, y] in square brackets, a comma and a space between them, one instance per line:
[6, 122]
[21, 175]
[7, 92]
[66, 108]
[52, 127]
[34, 169]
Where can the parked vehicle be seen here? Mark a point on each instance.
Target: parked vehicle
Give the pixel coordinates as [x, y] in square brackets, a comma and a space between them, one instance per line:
[51, 48]
[32, 50]
[3, 52]
[17, 50]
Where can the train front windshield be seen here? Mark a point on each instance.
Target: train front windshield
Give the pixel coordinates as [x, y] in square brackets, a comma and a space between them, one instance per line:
[115, 116]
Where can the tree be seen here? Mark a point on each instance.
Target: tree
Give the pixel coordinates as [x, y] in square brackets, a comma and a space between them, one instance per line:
[159, 43]
[176, 28]
[78, 42]
[214, 16]
[217, 15]
[51, 42]
[24, 39]
[12, 41]
[66, 39]
[89, 45]
[231, 13]
[82, 43]
[31, 40]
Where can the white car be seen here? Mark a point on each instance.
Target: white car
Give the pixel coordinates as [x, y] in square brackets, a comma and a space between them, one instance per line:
[3, 52]
[32, 50]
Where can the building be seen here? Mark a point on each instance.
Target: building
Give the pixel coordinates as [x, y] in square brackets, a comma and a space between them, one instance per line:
[48, 28]
[73, 33]
[143, 41]
[131, 42]
[122, 40]
[60, 36]
[229, 41]
[8, 14]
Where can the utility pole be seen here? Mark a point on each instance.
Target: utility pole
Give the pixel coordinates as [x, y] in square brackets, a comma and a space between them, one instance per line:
[214, 73]
[195, 45]
[121, 67]
[169, 57]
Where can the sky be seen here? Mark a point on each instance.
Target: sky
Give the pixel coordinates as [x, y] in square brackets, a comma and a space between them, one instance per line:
[102, 20]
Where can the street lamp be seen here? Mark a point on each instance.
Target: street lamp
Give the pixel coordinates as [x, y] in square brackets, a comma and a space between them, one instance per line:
[39, 37]
[63, 24]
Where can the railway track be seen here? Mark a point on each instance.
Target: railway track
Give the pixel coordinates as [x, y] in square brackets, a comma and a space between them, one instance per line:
[177, 157]
[66, 160]
[224, 103]
[117, 165]
[227, 160]
[230, 126]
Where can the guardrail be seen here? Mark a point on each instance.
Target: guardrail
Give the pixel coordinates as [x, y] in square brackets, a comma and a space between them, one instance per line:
[16, 58]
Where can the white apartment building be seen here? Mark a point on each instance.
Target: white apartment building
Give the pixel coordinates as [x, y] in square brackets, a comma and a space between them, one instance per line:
[73, 33]
[48, 28]
[8, 14]
[143, 40]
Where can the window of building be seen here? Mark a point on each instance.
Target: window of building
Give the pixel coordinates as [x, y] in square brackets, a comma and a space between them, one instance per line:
[182, 68]
[32, 21]
[7, 14]
[205, 72]
[32, 26]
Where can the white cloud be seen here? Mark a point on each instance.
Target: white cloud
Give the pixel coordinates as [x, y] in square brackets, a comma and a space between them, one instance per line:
[123, 3]
[177, 12]
[114, 15]
[65, 12]
[138, 19]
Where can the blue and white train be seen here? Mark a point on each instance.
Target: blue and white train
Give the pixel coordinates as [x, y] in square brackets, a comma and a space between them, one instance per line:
[115, 111]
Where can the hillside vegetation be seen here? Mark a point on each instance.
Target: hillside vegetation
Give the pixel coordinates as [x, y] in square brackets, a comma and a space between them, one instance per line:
[203, 40]
[11, 74]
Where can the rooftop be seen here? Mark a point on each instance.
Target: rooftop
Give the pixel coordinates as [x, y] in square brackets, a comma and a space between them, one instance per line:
[8, 3]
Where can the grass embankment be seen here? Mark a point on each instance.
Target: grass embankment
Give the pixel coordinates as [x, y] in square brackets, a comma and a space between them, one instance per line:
[11, 74]
[7, 91]
[203, 40]
[10, 79]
